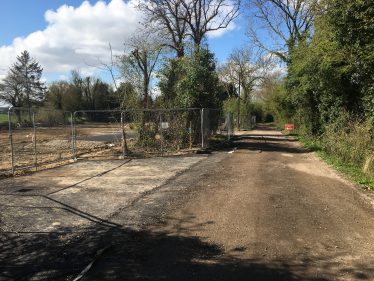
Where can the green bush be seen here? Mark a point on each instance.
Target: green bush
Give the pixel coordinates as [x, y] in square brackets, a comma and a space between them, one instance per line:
[351, 141]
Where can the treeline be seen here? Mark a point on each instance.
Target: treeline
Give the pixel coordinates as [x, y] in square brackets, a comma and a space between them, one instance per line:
[89, 93]
[189, 81]
[328, 91]
[23, 87]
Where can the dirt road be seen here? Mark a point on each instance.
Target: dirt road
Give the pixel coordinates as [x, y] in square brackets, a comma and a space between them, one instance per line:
[262, 208]
[267, 211]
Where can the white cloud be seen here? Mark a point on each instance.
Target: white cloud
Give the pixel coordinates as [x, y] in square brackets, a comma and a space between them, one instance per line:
[222, 31]
[76, 37]
[227, 8]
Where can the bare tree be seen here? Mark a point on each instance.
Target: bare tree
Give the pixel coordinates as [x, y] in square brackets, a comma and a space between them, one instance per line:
[286, 22]
[110, 66]
[268, 85]
[169, 21]
[245, 70]
[139, 64]
[203, 16]
[178, 19]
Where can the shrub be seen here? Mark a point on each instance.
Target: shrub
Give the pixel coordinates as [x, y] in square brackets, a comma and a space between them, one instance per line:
[351, 141]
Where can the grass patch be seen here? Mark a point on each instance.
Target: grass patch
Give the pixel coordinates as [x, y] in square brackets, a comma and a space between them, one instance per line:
[308, 143]
[353, 172]
[3, 118]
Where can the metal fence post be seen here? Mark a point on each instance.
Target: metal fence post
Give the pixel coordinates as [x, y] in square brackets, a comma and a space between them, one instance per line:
[11, 140]
[123, 137]
[229, 123]
[190, 135]
[202, 127]
[34, 142]
[72, 133]
[74, 136]
[161, 136]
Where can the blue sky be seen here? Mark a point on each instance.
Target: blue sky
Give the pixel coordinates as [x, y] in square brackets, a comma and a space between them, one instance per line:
[76, 37]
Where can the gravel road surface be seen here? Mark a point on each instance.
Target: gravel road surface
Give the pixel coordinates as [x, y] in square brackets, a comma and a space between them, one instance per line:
[270, 210]
[260, 208]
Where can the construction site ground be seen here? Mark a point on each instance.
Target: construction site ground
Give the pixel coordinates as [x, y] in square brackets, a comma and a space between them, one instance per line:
[259, 208]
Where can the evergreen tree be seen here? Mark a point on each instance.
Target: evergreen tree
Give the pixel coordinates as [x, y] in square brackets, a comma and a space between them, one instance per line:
[22, 87]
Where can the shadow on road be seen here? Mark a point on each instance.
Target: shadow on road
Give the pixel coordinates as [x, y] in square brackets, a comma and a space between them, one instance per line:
[267, 144]
[151, 255]
[158, 252]
[268, 141]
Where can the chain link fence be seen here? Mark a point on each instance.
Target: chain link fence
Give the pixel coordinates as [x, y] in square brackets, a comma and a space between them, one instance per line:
[97, 133]
[214, 124]
[5, 152]
[39, 137]
[136, 132]
[36, 137]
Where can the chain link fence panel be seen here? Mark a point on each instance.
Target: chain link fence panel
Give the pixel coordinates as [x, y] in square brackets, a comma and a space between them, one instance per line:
[39, 137]
[22, 137]
[53, 132]
[215, 126]
[180, 129]
[164, 131]
[135, 132]
[97, 133]
[35, 137]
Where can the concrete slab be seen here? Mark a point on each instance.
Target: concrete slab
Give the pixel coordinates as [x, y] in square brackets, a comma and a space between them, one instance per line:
[76, 195]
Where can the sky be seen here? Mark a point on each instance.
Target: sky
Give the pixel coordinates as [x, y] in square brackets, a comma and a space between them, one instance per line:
[63, 35]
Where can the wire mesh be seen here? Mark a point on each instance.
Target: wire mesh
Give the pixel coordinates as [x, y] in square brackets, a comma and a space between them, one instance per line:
[22, 138]
[39, 137]
[35, 137]
[5, 148]
[163, 131]
[135, 132]
[180, 129]
[97, 134]
[215, 126]
[53, 129]
[247, 121]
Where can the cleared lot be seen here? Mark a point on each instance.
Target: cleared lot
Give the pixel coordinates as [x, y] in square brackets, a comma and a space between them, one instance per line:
[76, 195]
[52, 222]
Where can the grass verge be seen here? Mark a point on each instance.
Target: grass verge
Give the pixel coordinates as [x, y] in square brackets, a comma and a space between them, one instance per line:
[353, 172]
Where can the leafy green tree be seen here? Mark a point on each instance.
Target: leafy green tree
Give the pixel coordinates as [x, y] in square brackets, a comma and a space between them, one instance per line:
[80, 93]
[325, 78]
[191, 82]
[200, 87]
[94, 93]
[352, 24]
[170, 75]
[72, 99]
[332, 73]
